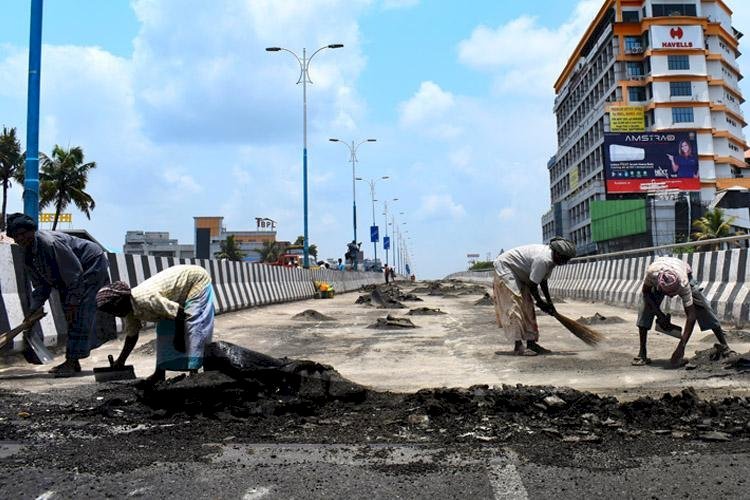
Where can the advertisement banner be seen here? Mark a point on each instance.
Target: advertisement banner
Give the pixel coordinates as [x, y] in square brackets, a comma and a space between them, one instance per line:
[647, 162]
[677, 37]
[386, 242]
[374, 236]
[627, 119]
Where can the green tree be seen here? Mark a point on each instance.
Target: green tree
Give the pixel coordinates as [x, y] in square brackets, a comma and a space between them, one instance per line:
[482, 265]
[712, 225]
[11, 166]
[230, 250]
[312, 249]
[270, 251]
[62, 181]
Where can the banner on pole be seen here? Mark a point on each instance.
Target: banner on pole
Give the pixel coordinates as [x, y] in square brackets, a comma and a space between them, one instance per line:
[386, 242]
[374, 236]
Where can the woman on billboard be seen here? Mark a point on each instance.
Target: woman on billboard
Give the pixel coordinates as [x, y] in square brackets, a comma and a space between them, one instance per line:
[685, 164]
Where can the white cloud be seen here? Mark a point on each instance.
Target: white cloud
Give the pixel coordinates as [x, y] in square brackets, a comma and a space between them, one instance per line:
[524, 56]
[180, 182]
[428, 110]
[399, 4]
[440, 206]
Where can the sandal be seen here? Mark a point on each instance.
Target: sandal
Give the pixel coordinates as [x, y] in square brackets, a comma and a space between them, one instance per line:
[641, 361]
[537, 349]
[66, 369]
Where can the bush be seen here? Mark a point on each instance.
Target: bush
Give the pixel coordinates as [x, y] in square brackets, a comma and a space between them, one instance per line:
[482, 265]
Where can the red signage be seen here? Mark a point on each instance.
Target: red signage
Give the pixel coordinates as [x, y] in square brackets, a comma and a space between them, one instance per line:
[646, 186]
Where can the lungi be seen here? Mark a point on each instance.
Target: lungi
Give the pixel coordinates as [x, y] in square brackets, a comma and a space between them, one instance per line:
[199, 328]
[704, 314]
[514, 307]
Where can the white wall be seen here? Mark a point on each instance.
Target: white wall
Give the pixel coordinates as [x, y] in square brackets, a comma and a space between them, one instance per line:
[659, 66]
[720, 122]
[716, 13]
[700, 92]
[663, 119]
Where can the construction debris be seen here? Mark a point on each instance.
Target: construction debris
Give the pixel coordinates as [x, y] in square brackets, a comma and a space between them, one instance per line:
[717, 358]
[451, 288]
[425, 311]
[598, 319]
[392, 322]
[312, 315]
[487, 300]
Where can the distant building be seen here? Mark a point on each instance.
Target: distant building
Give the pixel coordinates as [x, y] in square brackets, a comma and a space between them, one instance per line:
[156, 244]
[210, 233]
[649, 125]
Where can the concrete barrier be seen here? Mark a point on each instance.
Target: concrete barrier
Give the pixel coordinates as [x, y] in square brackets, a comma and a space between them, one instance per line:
[723, 275]
[237, 285]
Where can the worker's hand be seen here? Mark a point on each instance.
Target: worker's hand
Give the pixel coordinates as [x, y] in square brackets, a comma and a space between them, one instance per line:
[664, 320]
[31, 314]
[119, 363]
[545, 307]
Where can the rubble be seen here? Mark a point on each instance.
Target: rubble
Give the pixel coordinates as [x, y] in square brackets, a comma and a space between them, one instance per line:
[598, 319]
[451, 288]
[425, 311]
[717, 358]
[312, 315]
[486, 300]
[392, 322]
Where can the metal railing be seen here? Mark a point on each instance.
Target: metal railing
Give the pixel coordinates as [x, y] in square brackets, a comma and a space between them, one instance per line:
[640, 251]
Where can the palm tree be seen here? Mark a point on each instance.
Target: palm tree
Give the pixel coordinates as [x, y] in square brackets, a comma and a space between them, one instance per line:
[311, 249]
[11, 166]
[269, 252]
[62, 180]
[230, 250]
[713, 225]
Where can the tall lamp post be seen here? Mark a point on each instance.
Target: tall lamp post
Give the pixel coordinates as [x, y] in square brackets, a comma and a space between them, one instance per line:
[385, 213]
[31, 178]
[304, 78]
[372, 182]
[353, 147]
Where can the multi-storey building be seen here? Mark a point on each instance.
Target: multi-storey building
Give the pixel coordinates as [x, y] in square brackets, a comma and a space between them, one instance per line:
[156, 244]
[674, 64]
[210, 233]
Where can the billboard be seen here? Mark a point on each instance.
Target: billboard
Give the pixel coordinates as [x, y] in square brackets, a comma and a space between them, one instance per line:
[644, 162]
[677, 37]
[627, 119]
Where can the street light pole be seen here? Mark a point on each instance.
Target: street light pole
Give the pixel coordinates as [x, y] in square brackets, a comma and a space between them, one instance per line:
[31, 177]
[353, 159]
[304, 78]
[385, 213]
[372, 182]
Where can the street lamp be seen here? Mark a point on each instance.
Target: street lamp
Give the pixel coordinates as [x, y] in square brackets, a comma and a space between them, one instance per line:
[304, 78]
[372, 182]
[385, 213]
[353, 159]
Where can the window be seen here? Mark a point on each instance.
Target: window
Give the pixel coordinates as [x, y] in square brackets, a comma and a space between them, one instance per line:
[682, 115]
[635, 69]
[676, 9]
[680, 89]
[678, 62]
[630, 16]
[637, 94]
[633, 45]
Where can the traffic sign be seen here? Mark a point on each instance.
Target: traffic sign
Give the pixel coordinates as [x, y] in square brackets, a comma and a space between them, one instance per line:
[374, 236]
[386, 242]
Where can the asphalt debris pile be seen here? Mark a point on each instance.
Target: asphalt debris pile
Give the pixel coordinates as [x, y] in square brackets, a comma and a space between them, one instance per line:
[392, 323]
[598, 319]
[425, 311]
[486, 300]
[732, 336]
[717, 359]
[386, 296]
[451, 288]
[312, 315]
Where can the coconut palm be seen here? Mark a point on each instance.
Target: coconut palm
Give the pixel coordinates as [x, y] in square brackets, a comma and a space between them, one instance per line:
[230, 250]
[713, 225]
[62, 180]
[311, 249]
[11, 166]
[270, 251]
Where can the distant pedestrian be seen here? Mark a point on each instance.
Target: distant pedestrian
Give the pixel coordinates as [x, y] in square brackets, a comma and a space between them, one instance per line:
[519, 273]
[341, 266]
[393, 274]
[387, 273]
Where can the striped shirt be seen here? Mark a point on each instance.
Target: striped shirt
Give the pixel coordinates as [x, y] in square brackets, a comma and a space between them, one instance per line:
[161, 296]
[677, 266]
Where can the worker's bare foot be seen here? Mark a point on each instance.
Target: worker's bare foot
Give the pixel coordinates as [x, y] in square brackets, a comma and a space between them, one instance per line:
[523, 352]
[641, 361]
[537, 348]
[68, 368]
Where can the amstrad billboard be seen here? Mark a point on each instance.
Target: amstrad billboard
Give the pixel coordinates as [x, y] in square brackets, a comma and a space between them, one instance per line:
[640, 162]
[677, 37]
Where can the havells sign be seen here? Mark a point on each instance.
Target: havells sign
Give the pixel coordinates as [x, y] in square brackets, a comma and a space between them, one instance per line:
[677, 37]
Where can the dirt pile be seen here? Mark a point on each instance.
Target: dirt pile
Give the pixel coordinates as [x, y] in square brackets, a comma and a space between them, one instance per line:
[425, 311]
[732, 336]
[451, 288]
[486, 300]
[598, 319]
[386, 296]
[718, 358]
[312, 315]
[392, 323]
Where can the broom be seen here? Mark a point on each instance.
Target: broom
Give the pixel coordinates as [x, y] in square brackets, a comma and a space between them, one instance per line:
[583, 332]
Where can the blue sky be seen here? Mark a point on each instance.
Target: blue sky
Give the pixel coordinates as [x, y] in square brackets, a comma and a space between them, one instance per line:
[186, 114]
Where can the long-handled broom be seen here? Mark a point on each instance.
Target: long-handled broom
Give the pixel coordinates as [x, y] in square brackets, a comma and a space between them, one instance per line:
[583, 332]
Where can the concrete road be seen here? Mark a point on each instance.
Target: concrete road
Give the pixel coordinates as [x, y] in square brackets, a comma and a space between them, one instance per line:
[458, 349]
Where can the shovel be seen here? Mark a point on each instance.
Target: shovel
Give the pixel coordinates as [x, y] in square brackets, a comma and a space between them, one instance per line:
[36, 344]
[110, 373]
